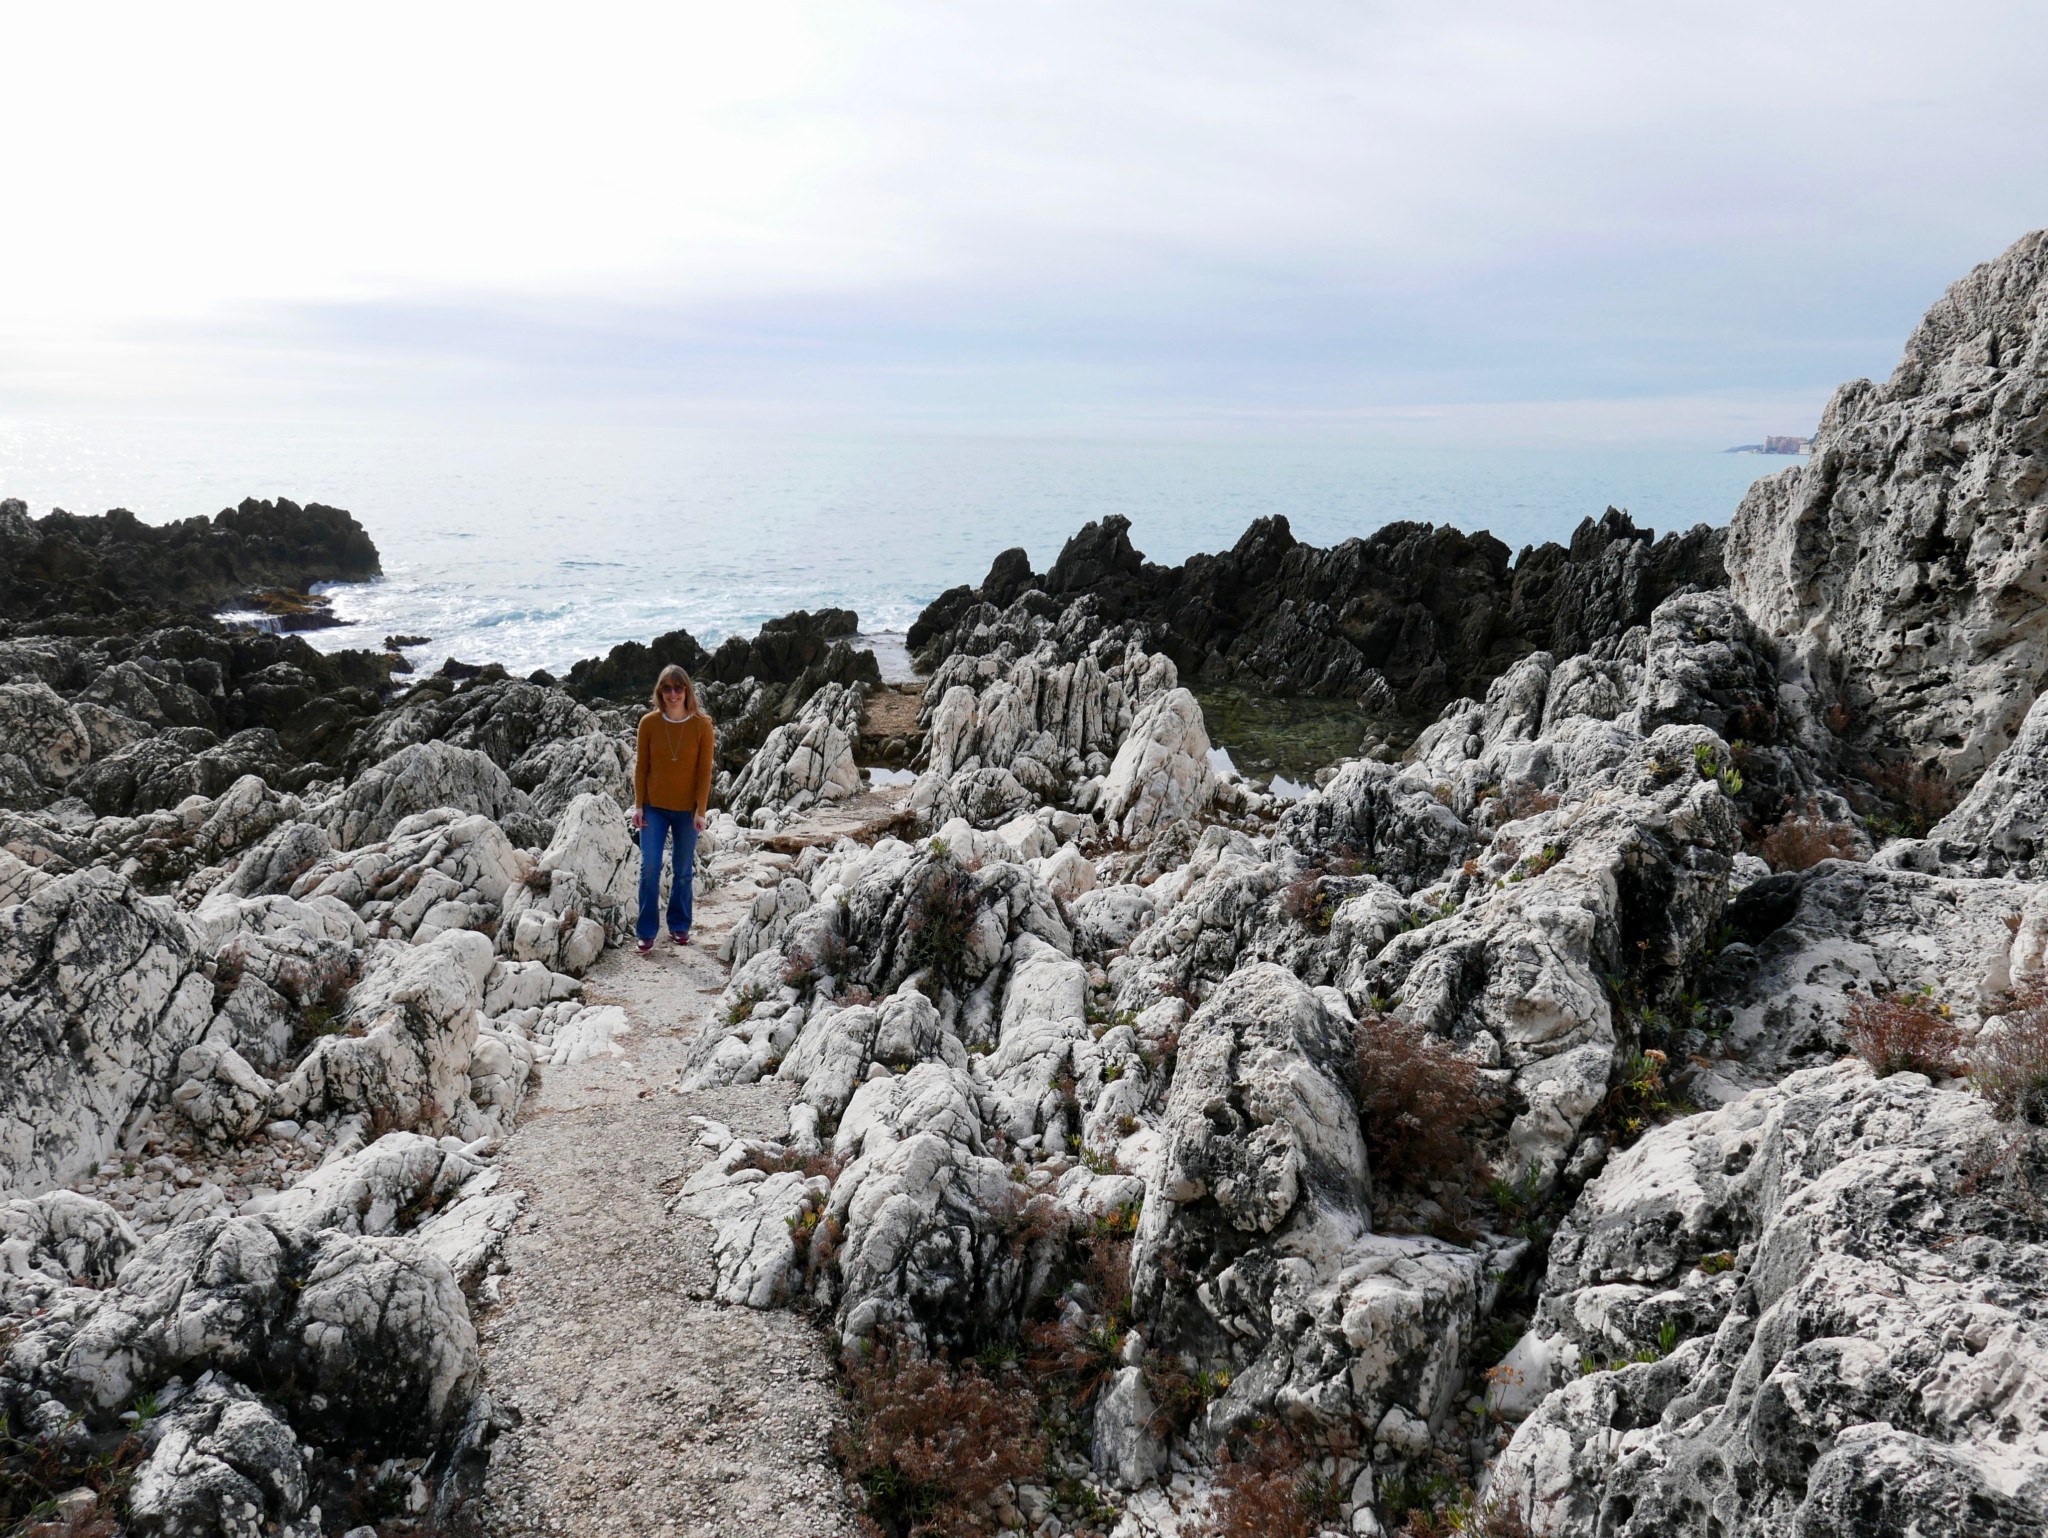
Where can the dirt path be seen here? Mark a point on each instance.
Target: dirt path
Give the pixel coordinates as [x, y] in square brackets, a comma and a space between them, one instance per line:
[644, 1407]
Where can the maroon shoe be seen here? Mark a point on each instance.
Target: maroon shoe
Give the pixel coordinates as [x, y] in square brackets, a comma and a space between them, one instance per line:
[679, 936]
[646, 946]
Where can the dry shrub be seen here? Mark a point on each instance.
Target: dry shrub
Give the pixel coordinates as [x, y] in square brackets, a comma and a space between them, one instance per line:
[1079, 1360]
[34, 1471]
[1801, 840]
[2011, 1068]
[1272, 1487]
[783, 1161]
[1307, 903]
[1920, 796]
[941, 921]
[1521, 799]
[1903, 1033]
[930, 1443]
[1418, 1101]
[817, 1239]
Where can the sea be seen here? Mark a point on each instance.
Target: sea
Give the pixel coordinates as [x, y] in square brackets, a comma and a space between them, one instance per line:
[534, 545]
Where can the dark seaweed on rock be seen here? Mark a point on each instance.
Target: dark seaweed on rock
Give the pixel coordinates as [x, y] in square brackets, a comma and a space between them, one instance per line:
[1404, 619]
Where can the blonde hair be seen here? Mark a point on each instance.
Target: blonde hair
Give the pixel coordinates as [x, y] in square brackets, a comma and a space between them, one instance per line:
[674, 674]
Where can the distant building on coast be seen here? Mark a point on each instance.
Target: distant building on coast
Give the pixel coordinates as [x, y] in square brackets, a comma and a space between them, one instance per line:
[1776, 443]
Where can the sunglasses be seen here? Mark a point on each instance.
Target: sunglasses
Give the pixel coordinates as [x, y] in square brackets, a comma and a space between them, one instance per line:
[673, 689]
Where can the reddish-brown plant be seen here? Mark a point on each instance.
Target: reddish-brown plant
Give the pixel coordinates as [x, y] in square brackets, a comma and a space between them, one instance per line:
[1903, 1033]
[1920, 796]
[1521, 799]
[1307, 903]
[1802, 839]
[1419, 1102]
[1270, 1486]
[2010, 1068]
[1487, 1519]
[929, 1443]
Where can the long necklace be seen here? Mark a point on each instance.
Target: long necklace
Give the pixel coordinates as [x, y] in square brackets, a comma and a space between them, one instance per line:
[674, 752]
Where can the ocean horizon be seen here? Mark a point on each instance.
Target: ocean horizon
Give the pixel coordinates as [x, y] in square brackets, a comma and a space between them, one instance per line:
[534, 547]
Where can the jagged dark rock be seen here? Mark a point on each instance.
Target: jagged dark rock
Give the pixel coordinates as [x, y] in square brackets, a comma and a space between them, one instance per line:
[785, 651]
[99, 567]
[1403, 620]
[115, 616]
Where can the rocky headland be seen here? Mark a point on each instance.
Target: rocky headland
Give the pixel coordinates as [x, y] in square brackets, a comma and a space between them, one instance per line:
[1610, 1102]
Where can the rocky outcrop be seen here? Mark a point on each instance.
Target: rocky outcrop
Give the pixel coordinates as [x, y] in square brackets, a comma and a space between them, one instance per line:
[750, 685]
[1262, 1152]
[582, 893]
[103, 992]
[1903, 565]
[2001, 826]
[1816, 1311]
[1027, 714]
[416, 1016]
[422, 778]
[57, 1240]
[783, 651]
[1803, 948]
[222, 1460]
[1404, 619]
[804, 762]
[149, 716]
[354, 1336]
[63, 564]
[1161, 772]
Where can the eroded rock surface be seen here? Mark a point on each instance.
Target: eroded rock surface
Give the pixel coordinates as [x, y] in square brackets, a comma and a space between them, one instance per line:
[1903, 565]
[1829, 1299]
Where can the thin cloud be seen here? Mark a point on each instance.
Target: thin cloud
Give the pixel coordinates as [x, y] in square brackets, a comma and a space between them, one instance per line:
[996, 216]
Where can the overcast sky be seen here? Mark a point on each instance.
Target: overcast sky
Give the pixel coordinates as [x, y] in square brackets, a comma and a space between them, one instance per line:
[1563, 221]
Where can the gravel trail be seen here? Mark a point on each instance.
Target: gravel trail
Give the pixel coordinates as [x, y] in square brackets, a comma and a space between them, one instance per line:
[644, 1406]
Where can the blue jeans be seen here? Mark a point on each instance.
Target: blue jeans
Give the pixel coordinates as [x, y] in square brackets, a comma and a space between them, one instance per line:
[661, 825]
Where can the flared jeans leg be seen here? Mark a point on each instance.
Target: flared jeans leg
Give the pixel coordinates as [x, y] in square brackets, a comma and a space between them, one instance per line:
[666, 828]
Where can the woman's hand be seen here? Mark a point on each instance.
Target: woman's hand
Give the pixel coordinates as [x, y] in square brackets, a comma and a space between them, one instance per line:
[701, 821]
[639, 819]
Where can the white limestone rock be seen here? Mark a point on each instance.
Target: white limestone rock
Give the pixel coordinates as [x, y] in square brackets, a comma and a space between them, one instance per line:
[1263, 1156]
[418, 1010]
[57, 1240]
[101, 992]
[2001, 827]
[221, 1461]
[583, 894]
[1161, 772]
[423, 777]
[219, 1093]
[41, 729]
[354, 1335]
[806, 761]
[1903, 565]
[1872, 1360]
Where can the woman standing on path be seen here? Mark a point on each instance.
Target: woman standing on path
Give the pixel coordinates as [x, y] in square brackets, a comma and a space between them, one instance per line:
[671, 790]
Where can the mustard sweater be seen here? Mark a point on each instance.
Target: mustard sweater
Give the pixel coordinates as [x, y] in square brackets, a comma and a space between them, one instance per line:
[672, 769]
